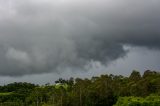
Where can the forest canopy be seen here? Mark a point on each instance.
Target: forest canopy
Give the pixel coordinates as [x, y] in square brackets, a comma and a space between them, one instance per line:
[104, 90]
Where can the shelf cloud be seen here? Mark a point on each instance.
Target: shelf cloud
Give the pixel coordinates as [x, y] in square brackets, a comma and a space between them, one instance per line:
[42, 36]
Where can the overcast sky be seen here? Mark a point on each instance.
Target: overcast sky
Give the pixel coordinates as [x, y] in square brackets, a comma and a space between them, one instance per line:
[42, 40]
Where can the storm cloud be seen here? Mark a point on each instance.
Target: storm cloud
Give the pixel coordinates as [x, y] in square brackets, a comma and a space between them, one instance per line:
[42, 36]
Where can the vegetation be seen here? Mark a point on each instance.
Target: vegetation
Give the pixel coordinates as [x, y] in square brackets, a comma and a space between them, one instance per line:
[105, 90]
[139, 101]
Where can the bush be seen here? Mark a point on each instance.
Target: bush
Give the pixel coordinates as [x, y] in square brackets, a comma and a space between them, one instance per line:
[137, 101]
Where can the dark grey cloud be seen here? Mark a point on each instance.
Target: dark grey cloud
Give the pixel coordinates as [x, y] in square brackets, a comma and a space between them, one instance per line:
[41, 36]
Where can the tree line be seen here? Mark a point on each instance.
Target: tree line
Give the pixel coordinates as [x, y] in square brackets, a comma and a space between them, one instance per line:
[104, 90]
